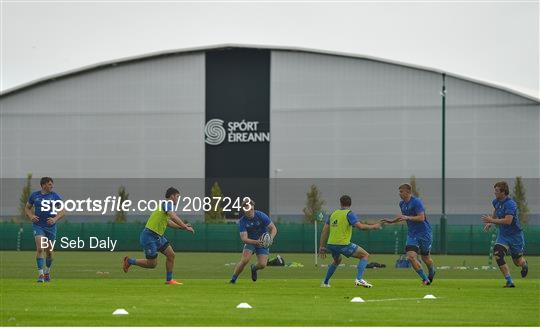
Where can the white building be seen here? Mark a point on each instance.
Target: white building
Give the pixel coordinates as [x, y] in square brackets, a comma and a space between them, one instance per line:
[331, 116]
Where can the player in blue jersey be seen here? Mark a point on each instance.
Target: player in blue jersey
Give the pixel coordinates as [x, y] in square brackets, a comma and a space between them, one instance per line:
[336, 238]
[252, 225]
[510, 237]
[419, 234]
[38, 209]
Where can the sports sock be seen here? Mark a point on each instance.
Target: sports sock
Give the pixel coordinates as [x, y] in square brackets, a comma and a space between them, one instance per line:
[508, 279]
[431, 269]
[48, 263]
[169, 275]
[254, 267]
[39, 262]
[361, 267]
[132, 261]
[422, 274]
[331, 269]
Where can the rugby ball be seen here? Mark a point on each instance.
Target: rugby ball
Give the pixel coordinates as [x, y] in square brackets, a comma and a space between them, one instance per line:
[266, 240]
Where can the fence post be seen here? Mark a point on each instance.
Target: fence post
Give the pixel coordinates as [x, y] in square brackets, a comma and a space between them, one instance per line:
[315, 238]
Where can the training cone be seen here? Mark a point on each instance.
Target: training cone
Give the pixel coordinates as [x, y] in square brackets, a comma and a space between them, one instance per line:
[357, 300]
[120, 312]
[429, 297]
[243, 306]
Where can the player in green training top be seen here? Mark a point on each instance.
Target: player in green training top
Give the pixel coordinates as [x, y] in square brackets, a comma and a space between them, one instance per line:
[153, 239]
[336, 237]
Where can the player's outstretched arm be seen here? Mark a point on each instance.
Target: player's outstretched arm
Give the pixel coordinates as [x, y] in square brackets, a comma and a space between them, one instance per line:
[388, 221]
[418, 218]
[366, 226]
[181, 225]
[171, 224]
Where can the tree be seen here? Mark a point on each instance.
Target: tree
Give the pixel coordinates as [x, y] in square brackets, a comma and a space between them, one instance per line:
[215, 214]
[121, 215]
[314, 204]
[26, 191]
[521, 200]
[414, 187]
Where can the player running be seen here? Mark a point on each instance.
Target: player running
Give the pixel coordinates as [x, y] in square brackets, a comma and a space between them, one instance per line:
[510, 236]
[44, 224]
[252, 225]
[336, 238]
[153, 239]
[419, 235]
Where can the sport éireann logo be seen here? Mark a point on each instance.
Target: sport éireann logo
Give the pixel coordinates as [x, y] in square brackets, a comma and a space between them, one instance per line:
[214, 131]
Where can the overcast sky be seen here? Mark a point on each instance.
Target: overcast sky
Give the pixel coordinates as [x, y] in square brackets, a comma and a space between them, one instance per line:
[493, 41]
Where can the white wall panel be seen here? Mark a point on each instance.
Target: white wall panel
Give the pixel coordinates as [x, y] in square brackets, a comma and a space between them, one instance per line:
[361, 118]
[136, 120]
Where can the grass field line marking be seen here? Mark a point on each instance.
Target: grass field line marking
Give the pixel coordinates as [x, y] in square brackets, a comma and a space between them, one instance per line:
[397, 299]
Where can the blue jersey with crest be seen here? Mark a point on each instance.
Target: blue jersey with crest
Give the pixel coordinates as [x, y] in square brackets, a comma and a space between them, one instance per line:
[256, 226]
[37, 199]
[412, 208]
[503, 208]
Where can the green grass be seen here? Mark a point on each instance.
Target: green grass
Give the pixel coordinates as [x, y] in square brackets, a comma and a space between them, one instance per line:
[81, 295]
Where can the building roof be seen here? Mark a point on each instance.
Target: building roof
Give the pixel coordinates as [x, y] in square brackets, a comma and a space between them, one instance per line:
[116, 62]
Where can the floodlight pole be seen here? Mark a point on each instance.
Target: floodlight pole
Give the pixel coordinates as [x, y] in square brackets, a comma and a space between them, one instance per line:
[443, 175]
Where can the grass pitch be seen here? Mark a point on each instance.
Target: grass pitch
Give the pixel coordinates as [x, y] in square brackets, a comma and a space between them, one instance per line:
[88, 286]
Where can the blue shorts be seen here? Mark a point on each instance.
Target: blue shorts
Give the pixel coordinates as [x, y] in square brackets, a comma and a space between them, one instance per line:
[514, 243]
[49, 232]
[257, 250]
[346, 250]
[152, 243]
[419, 244]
